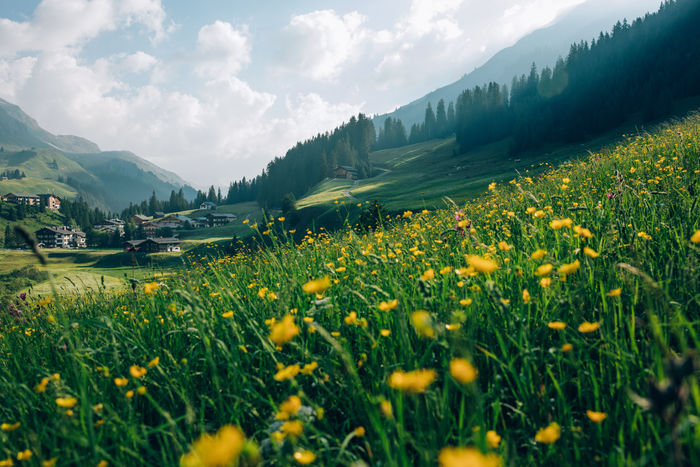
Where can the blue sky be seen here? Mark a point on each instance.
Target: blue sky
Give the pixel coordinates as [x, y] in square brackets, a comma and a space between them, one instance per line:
[215, 89]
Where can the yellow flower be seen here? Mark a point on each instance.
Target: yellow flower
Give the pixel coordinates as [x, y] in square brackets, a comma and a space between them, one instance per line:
[695, 238]
[446, 270]
[588, 327]
[482, 264]
[137, 371]
[130, 394]
[614, 293]
[7, 462]
[150, 287]
[556, 325]
[463, 371]
[590, 252]
[121, 382]
[284, 331]
[218, 450]
[428, 275]
[141, 390]
[359, 431]
[289, 407]
[288, 372]
[570, 268]
[503, 246]
[309, 368]
[538, 254]
[583, 232]
[294, 428]
[317, 286]
[24, 455]
[467, 457]
[567, 348]
[407, 213]
[423, 323]
[596, 416]
[49, 462]
[539, 213]
[545, 282]
[544, 270]
[492, 186]
[415, 381]
[387, 410]
[526, 296]
[530, 210]
[557, 224]
[493, 439]
[465, 302]
[154, 362]
[385, 332]
[644, 235]
[549, 434]
[227, 314]
[7, 427]
[66, 402]
[304, 457]
[387, 306]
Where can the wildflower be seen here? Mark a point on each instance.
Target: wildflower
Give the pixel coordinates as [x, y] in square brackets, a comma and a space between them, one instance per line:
[493, 439]
[463, 371]
[150, 287]
[492, 186]
[121, 382]
[49, 462]
[549, 434]
[590, 252]
[544, 270]
[614, 293]
[695, 238]
[503, 246]
[428, 275]
[137, 371]
[422, 323]
[586, 327]
[7, 462]
[530, 210]
[293, 428]
[141, 390]
[129, 394]
[218, 450]
[557, 224]
[304, 457]
[582, 231]
[7, 427]
[359, 431]
[644, 235]
[309, 368]
[596, 417]
[317, 286]
[526, 296]
[407, 214]
[385, 407]
[556, 325]
[66, 402]
[465, 302]
[545, 282]
[24, 455]
[539, 213]
[446, 270]
[351, 318]
[385, 332]
[288, 372]
[284, 331]
[570, 268]
[387, 306]
[460, 457]
[483, 265]
[538, 254]
[567, 348]
[415, 381]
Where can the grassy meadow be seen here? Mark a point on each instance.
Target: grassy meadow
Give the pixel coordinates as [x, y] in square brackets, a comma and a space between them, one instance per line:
[551, 321]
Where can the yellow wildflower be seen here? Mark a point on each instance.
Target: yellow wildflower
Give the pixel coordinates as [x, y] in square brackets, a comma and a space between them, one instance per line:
[385, 332]
[544, 270]
[153, 362]
[465, 302]
[482, 264]
[288, 372]
[49, 462]
[695, 238]
[304, 457]
[545, 282]
[526, 296]
[644, 235]
[218, 450]
[309, 368]
[556, 325]
[66, 402]
[538, 254]
[150, 287]
[590, 252]
[583, 232]
[289, 407]
[415, 381]
[596, 416]
[284, 331]
[137, 371]
[493, 439]
[24, 455]
[614, 293]
[121, 382]
[7, 462]
[467, 457]
[557, 224]
[317, 286]
[549, 434]
[359, 431]
[390, 305]
[428, 275]
[463, 371]
[588, 327]
[7, 427]
[423, 323]
[569, 268]
[567, 348]
[293, 428]
[503, 246]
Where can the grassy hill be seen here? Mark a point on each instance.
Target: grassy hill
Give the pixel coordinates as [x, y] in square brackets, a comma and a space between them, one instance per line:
[551, 321]
[35, 185]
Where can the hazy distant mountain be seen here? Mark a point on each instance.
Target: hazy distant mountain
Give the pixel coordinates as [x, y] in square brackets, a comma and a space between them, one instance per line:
[110, 180]
[543, 47]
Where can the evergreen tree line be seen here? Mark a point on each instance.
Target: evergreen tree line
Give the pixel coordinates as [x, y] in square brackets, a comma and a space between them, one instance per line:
[16, 212]
[12, 174]
[642, 69]
[440, 123]
[79, 214]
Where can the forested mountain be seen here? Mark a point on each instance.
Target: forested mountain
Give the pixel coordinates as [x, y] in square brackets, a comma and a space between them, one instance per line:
[543, 46]
[108, 180]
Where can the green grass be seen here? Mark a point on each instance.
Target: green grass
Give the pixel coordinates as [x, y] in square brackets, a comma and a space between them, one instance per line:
[243, 211]
[36, 186]
[344, 353]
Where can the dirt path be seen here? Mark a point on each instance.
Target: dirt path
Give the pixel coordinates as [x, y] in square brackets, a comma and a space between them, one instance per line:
[347, 193]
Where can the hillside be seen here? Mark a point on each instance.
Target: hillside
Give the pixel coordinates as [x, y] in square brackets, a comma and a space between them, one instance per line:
[551, 321]
[541, 47]
[109, 180]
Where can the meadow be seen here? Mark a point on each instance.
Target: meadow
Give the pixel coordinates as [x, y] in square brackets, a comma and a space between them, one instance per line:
[553, 320]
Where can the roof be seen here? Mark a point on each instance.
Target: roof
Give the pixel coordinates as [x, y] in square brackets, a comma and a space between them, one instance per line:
[46, 195]
[134, 242]
[112, 222]
[347, 167]
[22, 195]
[77, 232]
[164, 240]
[208, 203]
[224, 215]
[141, 216]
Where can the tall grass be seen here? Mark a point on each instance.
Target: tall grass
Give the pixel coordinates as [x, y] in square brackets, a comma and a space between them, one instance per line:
[206, 332]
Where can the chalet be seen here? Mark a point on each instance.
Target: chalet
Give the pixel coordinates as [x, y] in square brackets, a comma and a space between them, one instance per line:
[50, 201]
[207, 206]
[110, 226]
[217, 219]
[154, 245]
[139, 219]
[22, 198]
[60, 237]
[158, 214]
[345, 171]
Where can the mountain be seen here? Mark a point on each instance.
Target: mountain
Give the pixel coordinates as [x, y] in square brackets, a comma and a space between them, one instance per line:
[109, 180]
[541, 47]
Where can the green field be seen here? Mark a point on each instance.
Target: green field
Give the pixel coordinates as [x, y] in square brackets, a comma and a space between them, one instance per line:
[550, 321]
[36, 186]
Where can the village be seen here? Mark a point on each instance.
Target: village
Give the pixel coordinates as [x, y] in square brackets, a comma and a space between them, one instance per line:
[148, 234]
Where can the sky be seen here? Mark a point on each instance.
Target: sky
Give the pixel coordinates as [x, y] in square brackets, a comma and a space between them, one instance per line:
[213, 90]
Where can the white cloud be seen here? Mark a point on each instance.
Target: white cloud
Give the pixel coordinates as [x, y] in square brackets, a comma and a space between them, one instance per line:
[221, 51]
[139, 62]
[431, 16]
[321, 44]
